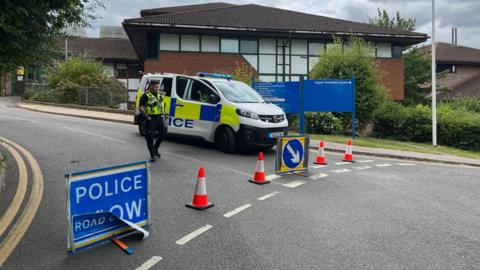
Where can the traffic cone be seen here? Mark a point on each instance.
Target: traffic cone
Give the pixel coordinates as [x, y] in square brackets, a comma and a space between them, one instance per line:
[259, 175]
[320, 159]
[348, 157]
[200, 198]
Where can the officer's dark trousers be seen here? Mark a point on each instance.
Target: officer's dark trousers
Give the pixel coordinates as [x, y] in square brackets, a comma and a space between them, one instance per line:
[155, 133]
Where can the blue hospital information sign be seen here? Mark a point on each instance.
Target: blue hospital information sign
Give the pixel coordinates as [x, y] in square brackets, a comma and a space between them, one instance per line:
[283, 94]
[103, 202]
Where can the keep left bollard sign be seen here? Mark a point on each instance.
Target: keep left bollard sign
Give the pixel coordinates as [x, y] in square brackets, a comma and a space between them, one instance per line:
[107, 203]
[292, 154]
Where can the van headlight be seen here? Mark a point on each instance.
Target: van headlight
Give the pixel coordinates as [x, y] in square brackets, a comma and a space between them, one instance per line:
[247, 114]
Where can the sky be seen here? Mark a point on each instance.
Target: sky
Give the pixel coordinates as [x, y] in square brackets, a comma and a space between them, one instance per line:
[463, 14]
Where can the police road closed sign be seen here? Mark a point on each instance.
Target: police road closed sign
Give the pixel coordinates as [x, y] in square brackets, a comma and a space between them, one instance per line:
[292, 154]
[107, 203]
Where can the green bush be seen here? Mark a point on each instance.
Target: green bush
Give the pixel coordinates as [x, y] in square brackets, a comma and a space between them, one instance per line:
[81, 80]
[470, 104]
[342, 61]
[323, 123]
[457, 123]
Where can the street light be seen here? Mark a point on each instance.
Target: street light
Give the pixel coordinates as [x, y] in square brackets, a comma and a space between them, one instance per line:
[434, 81]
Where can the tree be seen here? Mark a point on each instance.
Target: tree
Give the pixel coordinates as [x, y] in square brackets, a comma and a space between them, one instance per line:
[417, 67]
[29, 29]
[417, 75]
[342, 62]
[398, 23]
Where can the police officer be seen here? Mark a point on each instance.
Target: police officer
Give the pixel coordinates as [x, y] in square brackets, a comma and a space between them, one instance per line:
[152, 108]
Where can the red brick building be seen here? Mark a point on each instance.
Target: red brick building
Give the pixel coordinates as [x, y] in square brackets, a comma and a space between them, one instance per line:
[272, 43]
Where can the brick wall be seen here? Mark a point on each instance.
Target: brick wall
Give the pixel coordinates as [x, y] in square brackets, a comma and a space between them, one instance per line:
[393, 76]
[191, 63]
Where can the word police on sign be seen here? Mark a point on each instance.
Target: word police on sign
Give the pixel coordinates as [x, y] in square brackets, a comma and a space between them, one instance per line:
[107, 203]
[292, 154]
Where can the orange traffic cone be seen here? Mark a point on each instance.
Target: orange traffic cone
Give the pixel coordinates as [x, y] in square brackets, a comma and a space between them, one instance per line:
[259, 176]
[200, 198]
[348, 157]
[320, 159]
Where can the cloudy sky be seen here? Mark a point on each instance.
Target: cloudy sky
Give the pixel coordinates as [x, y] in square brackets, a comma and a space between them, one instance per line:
[463, 14]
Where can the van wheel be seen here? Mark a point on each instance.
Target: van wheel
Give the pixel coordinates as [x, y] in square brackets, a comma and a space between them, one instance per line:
[226, 140]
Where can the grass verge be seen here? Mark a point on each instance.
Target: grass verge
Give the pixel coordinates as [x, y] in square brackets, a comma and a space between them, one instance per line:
[399, 145]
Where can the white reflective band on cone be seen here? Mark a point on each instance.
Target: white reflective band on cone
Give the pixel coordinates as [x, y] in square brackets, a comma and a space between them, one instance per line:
[201, 188]
[260, 166]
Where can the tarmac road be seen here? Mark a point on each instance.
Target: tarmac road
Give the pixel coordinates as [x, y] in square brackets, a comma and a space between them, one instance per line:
[378, 214]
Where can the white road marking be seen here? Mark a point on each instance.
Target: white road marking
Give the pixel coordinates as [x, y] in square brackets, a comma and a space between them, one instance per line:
[19, 118]
[182, 241]
[365, 161]
[148, 264]
[236, 211]
[318, 176]
[362, 167]
[272, 177]
[318, 166]
[342, 163]
[341, 171]
[406, 164]
[267, 196]
[384, 165]
[294, 184]
[95, 134]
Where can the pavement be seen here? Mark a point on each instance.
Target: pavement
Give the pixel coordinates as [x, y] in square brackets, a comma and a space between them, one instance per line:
[330, 146]
[377, 213]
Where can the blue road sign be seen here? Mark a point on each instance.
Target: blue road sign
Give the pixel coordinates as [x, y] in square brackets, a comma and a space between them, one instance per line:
[293, 153]
[283, 94]
[106, 203]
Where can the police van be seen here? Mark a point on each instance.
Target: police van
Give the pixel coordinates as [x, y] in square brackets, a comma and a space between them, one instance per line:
[217, 109]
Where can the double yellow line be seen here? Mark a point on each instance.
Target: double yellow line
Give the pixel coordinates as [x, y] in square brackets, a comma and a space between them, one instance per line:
[26, 216]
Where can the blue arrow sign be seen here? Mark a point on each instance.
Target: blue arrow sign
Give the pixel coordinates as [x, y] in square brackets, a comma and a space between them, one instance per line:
[292, 154]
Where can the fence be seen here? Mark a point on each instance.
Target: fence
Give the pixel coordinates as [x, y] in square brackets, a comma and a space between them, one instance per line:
[88, 96]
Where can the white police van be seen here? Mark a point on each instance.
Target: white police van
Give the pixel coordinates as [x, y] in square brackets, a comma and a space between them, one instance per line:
[216, 109]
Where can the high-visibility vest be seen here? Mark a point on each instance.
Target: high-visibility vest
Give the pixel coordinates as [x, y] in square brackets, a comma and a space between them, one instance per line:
[155, 104]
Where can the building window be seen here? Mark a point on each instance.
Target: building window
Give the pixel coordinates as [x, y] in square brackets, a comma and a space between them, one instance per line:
[229, 45]
[267, 45]
[190, 43]
[312, 61]
[299, 46]
[133, 70]
[267, 64]
[169, 42]
[121, 70]
[397, 51]
[384, 50]
[316, 48]
[210, 44]
[249, 46]
[108, 69]
[252, 60]
[299, 64]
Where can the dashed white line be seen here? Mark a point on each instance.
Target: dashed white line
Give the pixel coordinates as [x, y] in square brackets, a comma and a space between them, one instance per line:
[95, 134]
[362, 167]
[294, 184]
[342, 163]
[148, 264]
[384, 165]
[318, 176]
[365, 161]
[272, 177]
[406, 164]
[341, 171]
[267, 196]
[237, 210]
[318, 166]
[19, 118]
[182, 241]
